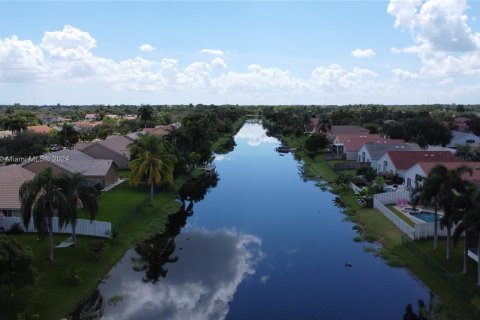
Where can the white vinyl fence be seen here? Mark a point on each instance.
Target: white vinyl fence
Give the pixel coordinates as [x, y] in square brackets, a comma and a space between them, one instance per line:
[402, 225]
[354, 188]
[420, 231]
[84, 227]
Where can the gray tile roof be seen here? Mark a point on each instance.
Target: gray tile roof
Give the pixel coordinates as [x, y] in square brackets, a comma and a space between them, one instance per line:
[459, 135]
[118, 144]
[11, 178]
[75, 161]
[377, 150]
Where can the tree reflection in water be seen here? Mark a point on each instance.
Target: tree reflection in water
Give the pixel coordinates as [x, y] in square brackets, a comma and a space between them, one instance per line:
[155, 252]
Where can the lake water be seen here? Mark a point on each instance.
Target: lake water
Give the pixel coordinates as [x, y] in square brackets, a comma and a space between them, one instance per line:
[262, 244]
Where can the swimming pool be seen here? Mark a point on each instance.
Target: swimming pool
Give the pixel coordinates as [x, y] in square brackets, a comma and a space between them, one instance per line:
[426, 216]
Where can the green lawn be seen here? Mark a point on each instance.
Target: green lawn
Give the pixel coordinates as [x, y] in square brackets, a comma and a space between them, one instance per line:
[375, 226]
[402, 216]
[52, 297]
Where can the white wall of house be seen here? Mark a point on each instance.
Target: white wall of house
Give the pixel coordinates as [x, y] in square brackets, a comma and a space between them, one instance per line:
[385, 164]
[412, 174]
[364, 156]
[468, 139]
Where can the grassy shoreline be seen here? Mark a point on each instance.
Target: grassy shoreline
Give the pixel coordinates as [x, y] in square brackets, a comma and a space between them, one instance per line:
[52, 297]
[376, 227]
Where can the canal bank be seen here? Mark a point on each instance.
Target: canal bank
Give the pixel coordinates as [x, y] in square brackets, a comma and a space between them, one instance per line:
[265, 243]
[375, 227]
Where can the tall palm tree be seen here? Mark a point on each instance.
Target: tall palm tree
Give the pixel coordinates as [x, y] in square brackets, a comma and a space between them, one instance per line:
[80, 194]
[428, 195]
[151, 163]
[452, 185]
[470, 223]
[40, 198]
[145, 114]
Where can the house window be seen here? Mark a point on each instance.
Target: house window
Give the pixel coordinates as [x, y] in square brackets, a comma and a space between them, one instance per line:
[470, 141]
[409, 182]
[363, 156]
[7, 213]
[385, 165]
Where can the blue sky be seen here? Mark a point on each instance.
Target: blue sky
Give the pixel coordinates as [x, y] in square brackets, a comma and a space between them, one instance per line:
[257, 52]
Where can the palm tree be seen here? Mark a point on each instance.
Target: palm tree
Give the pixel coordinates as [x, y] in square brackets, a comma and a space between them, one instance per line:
[437, 191]
[452, 185]
[40, 198]
[80, 194]
[428, 195]
[470, 223]
[145, 114]
[150, 163]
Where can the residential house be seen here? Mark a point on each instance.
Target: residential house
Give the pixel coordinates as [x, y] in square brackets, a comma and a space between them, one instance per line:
[43, 128]
[400, 161]
[11, 179]
[314, 124]
[113, 148]
[347, 130]
[48, 118]
[130, 117]
[91, 117]
[100, 173]
[422, 169]
[162, 130]
[87, 124]
[371, 152]
[463, 138]
[350, 144]
[113, 116]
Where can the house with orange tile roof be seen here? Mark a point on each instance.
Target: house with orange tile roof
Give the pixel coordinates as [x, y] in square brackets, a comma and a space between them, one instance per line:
[43, 128]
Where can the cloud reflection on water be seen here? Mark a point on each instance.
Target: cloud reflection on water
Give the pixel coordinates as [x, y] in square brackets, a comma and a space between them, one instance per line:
[199, 285]
[255, 134]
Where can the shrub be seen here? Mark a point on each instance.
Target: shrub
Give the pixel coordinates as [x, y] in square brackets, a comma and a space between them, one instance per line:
[72, 275]
[16, 228]
[97, 248]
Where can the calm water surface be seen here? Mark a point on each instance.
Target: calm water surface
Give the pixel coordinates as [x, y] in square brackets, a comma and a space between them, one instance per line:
[262, 244]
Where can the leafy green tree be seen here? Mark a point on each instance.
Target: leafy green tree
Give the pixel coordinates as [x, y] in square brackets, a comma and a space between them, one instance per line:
[150, 163]
[81, 195]
[16, 270]
[467, 153]
[316, 142]
[40, 198]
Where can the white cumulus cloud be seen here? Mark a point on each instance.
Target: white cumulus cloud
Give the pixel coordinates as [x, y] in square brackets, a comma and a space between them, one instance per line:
[215, 52]
[218, 62]
[69, 43]
[147, 47]
[404, 74]
[444, 41]
[363, 53]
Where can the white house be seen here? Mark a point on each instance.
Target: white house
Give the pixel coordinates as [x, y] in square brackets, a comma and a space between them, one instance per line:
[400, 161]
[422, 169]
[371, 152]
[463, 138]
